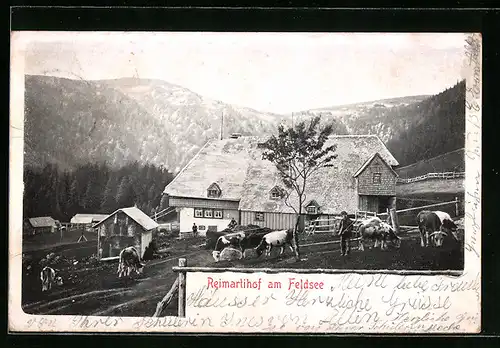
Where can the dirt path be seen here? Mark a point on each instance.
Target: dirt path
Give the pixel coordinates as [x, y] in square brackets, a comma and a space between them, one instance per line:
[137, 297]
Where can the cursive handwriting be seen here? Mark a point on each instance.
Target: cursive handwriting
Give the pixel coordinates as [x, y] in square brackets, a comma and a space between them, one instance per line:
[41, 323]
[210, 298]
[85, 322]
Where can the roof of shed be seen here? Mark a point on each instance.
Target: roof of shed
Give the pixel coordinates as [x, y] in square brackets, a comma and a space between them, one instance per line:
[87, 218]
[135, 214]
[42, 221]
[367, 163]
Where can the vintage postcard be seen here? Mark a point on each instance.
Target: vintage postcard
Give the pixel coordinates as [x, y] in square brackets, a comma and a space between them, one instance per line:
[245, 182]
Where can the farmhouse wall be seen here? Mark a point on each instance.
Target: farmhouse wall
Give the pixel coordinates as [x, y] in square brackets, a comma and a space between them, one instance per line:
[187, 218]
[387, 185]
[270, 220]
[202, 203]
[113, 237]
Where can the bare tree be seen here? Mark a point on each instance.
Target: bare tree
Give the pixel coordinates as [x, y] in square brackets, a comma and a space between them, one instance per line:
[298, 152]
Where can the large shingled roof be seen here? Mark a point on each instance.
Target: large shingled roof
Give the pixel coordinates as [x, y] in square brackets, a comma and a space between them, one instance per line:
[224, 162]
[236, 165]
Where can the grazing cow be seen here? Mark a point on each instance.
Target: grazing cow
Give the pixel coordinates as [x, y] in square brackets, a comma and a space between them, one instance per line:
[447, 223]
[276, 239]
[434, 226]
[379, 231]
[48, 277]
[130, 260]
[232, 239]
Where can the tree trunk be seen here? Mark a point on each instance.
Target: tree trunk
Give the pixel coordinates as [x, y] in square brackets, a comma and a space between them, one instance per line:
[296, 237]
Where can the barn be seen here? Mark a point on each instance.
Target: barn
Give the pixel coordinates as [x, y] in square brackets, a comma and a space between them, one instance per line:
[228, 178]
[124, 227]
[42, 224]
[86, 221]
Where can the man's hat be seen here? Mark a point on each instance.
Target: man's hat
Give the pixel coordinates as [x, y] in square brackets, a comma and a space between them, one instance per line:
[343, 212]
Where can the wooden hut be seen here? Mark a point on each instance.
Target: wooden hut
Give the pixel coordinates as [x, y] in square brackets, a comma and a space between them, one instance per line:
[42, 224]
[86, 221]
[125, 227]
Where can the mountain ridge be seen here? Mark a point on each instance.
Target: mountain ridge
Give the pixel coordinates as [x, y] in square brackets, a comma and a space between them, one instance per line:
[154, 121]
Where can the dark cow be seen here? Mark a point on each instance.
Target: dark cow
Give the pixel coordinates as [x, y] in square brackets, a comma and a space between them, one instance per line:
[48, 277]
[130, 260]
[379, 231]
[434, 227]
[277, 239]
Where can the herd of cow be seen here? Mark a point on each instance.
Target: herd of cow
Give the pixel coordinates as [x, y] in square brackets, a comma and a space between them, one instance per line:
[434, 226]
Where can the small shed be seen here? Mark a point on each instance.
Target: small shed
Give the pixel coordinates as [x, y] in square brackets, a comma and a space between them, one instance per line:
[125, 227]
[42, 224]
[86, 221]
[376, 182]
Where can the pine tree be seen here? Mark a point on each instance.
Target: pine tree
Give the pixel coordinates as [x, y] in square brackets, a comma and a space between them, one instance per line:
[125, 196]
[108, 203]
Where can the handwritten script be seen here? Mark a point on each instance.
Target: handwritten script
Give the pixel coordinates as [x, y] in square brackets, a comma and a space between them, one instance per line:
[473, 142]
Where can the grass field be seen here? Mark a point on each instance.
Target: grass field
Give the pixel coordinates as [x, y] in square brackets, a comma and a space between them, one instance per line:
[93, 288]
[42, 241]
[442, 186]
[453, 161]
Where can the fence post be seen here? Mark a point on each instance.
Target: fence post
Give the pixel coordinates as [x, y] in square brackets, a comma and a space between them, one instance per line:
[456, 207]
[182, 288]
[394, 220]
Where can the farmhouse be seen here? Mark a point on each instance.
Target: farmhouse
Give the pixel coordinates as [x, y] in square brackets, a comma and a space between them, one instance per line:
[86, 221]
[125, 227]
[228, 179]
[42, 224]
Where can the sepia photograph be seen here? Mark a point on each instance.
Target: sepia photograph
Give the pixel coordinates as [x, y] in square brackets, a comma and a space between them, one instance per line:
[148, 152]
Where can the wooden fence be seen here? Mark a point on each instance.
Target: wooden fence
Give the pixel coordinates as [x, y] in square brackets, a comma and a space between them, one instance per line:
[445, 175]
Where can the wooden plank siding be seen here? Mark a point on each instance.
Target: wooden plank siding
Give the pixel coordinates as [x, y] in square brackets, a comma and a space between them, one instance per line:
[367, 184]
[270, 220]
[202, 203]
[114, 236]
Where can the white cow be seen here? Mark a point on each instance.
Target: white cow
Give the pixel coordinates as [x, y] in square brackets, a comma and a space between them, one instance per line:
[447, 222]
[276, 239]
[48, 277]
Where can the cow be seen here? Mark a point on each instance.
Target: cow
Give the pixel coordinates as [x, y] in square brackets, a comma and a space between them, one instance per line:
[130, 260]
[379, 231]
[48, 277]
[232, 239]
[447, 223]
[277, 239]
[433, 227]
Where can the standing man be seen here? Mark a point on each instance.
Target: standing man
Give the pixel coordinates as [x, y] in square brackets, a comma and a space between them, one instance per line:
[232, 224]
[345, 232]
[195, 230]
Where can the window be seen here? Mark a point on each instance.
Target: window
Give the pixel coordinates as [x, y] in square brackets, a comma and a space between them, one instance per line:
[214, 191]
[311, 209]
[198, 213]
[201, 228]
[259, 216]
[276, 193]
[218, 214]
[208, 213]
[377, 178]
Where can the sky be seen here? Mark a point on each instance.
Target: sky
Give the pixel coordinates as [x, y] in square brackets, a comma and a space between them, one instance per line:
[273, 72]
